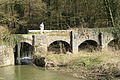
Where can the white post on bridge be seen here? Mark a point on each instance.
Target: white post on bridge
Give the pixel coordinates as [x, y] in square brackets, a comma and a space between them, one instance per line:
[41, 28]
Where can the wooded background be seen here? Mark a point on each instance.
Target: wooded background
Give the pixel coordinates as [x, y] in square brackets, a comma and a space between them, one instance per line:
[21, 15]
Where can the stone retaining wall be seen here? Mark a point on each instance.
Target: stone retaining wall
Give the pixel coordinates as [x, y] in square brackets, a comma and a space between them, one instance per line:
[6, 56]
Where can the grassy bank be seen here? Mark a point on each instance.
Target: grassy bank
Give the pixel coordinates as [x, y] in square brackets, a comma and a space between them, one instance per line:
[103, 65]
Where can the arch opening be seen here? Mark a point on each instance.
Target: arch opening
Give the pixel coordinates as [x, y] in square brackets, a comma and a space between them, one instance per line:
[59, 47]
[26, 53]
[114, 45]
[88, 45]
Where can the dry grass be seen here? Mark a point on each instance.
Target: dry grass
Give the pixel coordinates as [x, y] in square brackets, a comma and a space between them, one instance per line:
[105, 58]
[103, 65]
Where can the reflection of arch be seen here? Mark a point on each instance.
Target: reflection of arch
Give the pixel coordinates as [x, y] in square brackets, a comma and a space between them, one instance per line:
[59, 47]
[89, 45]
[114, 44]
[26, 51]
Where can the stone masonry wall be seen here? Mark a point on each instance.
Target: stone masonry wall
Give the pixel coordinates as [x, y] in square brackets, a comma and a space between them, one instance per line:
[6, 56]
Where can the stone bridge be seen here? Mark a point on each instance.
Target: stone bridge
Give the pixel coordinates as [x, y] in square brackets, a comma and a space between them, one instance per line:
[72, 40]
[61, 41]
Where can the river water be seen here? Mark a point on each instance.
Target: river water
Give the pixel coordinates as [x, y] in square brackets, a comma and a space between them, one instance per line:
[27, 72]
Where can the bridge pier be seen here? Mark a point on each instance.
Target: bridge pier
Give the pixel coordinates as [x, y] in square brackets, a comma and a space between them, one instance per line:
[105, 39]
[74, 42]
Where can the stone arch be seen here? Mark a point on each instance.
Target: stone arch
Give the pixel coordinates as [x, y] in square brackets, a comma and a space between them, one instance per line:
[58, 39]
[26, 41]
[26, 52]
[59, 46]
[114, 44]
[88, 45]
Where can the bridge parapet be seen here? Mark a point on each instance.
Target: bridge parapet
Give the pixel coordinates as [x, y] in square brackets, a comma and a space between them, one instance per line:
[51, 32]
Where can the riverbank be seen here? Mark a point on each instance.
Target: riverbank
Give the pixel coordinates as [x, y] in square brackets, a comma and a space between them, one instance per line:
[103, 65]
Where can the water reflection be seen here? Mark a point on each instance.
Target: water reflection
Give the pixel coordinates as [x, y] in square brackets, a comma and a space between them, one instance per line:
[7, 73]
[27, 72]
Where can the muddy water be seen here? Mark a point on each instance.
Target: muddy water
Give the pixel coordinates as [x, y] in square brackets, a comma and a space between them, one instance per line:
[27, 72]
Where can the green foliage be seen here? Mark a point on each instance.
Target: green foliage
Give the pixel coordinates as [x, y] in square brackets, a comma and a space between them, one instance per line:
[12, 40]
[59, 14]
[19, 9]
[17, 14]
[116, 33]
[7, 38]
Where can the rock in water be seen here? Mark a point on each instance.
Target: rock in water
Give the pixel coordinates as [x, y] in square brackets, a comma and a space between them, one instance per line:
[39, 61]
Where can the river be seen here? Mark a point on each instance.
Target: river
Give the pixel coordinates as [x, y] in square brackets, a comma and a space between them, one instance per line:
[27, 72]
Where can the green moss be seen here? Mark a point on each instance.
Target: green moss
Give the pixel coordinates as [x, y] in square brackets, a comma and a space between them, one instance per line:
[36, 45]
